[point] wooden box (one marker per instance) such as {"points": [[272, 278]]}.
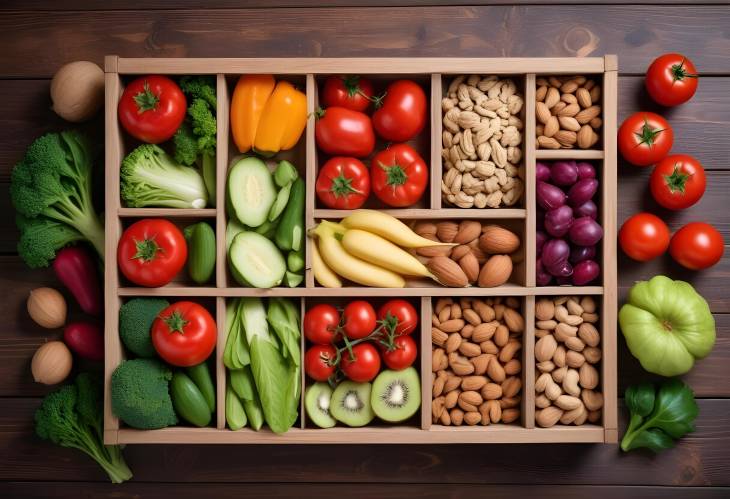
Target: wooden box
{"points": [[433, 73]]}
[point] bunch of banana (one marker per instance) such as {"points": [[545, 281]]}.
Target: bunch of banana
{"points": [[367, 248]]}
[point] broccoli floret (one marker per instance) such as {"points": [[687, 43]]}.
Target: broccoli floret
{"points": [[151, 177], [41, 238], [186, 144], [72, 417], [135, 322], [140, 395], [199, 87], [51, 189]]}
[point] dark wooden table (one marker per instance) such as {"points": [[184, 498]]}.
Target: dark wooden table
{"points": [[37, 36]]}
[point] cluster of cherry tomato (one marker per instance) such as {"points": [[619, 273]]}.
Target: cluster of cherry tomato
{"points": [[353, 341], [677, 181], [398, 175]]}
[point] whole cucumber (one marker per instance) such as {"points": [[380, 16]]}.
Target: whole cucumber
{"points": [[200, 375], [290, 232], [201, 251], [187, 400]]}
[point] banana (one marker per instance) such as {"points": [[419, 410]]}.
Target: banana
{"points": [[388, 227], [350, 267], [322, 273], [381, 252]]}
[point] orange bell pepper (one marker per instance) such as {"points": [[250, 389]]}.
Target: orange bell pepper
{"points": [[247, 105], [282, 121]]}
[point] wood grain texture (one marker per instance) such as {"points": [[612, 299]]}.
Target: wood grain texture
{"points": [[54, 490], [699, 459], [35, 45]]}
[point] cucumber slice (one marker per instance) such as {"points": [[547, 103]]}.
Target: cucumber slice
{"points": [[233, 228], [282, 197], [256, 261], [251, 191], [292, 279]]}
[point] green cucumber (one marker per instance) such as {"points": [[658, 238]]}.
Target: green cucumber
{"points": [[282, 197], [251, 191], [188, 401], [201, 251], [242, 383], [235, 413], [295, 260], [292, 279], [200, 375], [285, 173], [267, 229], [290, 232], [255, 261]]}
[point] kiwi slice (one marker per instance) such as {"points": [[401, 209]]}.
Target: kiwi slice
{"points": [[396, 395], [317, 403], [350, 403]]}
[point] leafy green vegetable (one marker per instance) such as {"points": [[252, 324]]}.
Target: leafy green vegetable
{"points": [[242, 383], [235, 413], [72, 416], [135, 323], [286, 330], [236, 353], [658, 419], [151, 177], [140, 394], [51, 192]]}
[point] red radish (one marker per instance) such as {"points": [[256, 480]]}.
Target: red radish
{"points": [[85, 340], [77, 271]]}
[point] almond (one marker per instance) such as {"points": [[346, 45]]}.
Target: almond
{"points": [[574, 359], [545, 348], [495, 411], [485, 311], [425, 229], [495, 272], [568, 402], [466, 331], [569, 99], [575, 344], [470, 349], [452, 325], [495, 371], [446, 231], [557, 108], [589, 334], [437, 359], [477, 251], [587, 114], [548, 417], [548, 142], [489, 347], [472, 418], [584, 97], [491, 391], [452, 383], [458, 252], [441, 303], [480, 363], [447, 272], [431, 251], [569, 87], [509, 350], [438, 337], [484, 331], [542, 111], [457, 416], [588, 376], [453, 343], [498, 240], [511, 386], [468, 231], [470, 266], [552, 97], [501, 335], [510, 415], [472, 318], [513, 320], [551, 127], [513, 367], [544, 309], [471, 397], [592, 354], [568, 123], [473, 382], [592, 400]]}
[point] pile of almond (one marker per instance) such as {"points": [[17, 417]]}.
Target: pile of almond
{"points": [[481, 140], [484, 255], [568, 112], [475, 363], [567, 350]]}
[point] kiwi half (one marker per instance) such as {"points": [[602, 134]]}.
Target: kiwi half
{"points": [[396, 395], [317, 404], [350, 403]]}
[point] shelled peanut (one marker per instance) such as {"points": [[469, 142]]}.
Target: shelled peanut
{"points": [[484, 256], [481, 139], [476, 365], [568, 112], [567, 350]]}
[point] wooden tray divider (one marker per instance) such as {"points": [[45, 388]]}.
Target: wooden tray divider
{"points": [[425, 351], [530, 181], [528, 364], [302, 374], [311, 177], [436, 127], [221, 167]]}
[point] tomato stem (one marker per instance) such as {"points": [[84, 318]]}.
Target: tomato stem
{"points": [[648, 135], [176, 322], [677, 181], [342, 186], [146, 250], [352, 85], [146, 100], [679, 72], [396, 174]]}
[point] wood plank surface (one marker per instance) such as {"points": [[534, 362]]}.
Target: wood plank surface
{"points": [[39, 43], [699, 459], [53, 490]]}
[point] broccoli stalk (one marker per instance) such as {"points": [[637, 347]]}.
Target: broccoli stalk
{"points": [[51, 190], [72, 417], [151, 177]]}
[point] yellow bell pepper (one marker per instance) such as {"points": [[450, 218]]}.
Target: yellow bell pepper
{"points": [[283, 120], [248, 102]]}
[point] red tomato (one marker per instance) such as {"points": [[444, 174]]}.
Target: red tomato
{"points": [[697, 246], [366, 363], [152, 108], [320, 324], [645, 138], [403, 113], [343, 132], [399, 175], [184, 334], [403, 355], [151, 252], [343, 183], [348, 91], [403, 312], [317, 362], [359, 319], [644, 237], [671, 79], [677, 182]]}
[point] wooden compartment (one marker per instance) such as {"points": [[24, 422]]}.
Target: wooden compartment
{"points": [[432, 73]]}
